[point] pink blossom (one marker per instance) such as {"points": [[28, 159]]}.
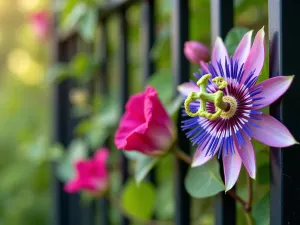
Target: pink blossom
{"points": [[196, 52], [226, 130], [41, 24], [145, 126], [91, 175]]}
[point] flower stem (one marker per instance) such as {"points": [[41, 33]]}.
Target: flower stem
{"points": [[234, 195], [183, 156], [248, 218], [250, 194]]}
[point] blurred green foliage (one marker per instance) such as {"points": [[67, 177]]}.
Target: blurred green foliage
{"points": [[24, 118], [25, 141]]}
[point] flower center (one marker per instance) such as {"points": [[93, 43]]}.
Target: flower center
{"points": [[204, 97], [232, 103]]}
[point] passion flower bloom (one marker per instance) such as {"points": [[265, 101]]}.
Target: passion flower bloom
{"points": [[196, 52], [145, 126], [223, 114], [41, 24], [91, 175]]}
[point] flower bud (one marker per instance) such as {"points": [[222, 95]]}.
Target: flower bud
{"points": [[195, 52], [146, 126]]}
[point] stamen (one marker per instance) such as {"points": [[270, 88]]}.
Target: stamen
{"points": [[231, 101], [204, 97]]}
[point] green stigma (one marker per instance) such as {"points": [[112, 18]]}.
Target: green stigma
{"points": [[203, 96]]}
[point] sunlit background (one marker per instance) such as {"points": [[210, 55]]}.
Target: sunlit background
{"points": [[24, 101]]}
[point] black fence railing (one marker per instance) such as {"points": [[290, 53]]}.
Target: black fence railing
{"points": [[284, 36], [285, 182]]}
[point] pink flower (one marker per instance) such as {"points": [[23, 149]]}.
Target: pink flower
{"points": [[196, 52], [146, 126], [41, 24], [229, 115], [91, 175]]}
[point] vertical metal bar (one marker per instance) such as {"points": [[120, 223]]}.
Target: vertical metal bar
{"points": [[61, 113], [221, 17], [67, 207], [148, 32], [221, 22], [88, 214], [74, 199], [148, 36], [124, 87], [104, 89], [285, 180], [181, 73], [88, 210]]}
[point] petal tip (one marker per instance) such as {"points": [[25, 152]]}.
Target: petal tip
{"points": [[227, 189], [293, 142], [249, 33], [262, 31], [229, 186], [291, 77], [195, 164]]}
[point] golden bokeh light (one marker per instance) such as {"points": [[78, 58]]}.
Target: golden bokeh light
{"points": [[28, 5], [18, 61], [26, 70], [3, 5], [34, 76]]}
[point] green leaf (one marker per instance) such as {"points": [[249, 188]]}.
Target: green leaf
{"points": [[57, 73], [261, 211], [162, 82], [99, 127], [144, 164], [138, 200], [233, 38], [131, 155], [263, 172], [161, 42], [174, 107], [71, 15], [164, 209], [205, 180], [56, 152], [76, 150], [88, 24], [82, 67]]}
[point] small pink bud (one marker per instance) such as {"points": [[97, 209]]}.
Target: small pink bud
{"points": [[41, 24], [195, 52]]}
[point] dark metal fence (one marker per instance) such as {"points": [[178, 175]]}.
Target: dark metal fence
{"points": [[284, 35]]}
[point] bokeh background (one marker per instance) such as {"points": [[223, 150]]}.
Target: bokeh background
{"points": [[24, 116], [26, 75]]}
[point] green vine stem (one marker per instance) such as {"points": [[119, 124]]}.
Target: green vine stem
{"points": [[248, 218]]}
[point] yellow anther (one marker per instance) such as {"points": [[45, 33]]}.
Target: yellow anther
{"points": [[220, 82], [205, 97]]}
